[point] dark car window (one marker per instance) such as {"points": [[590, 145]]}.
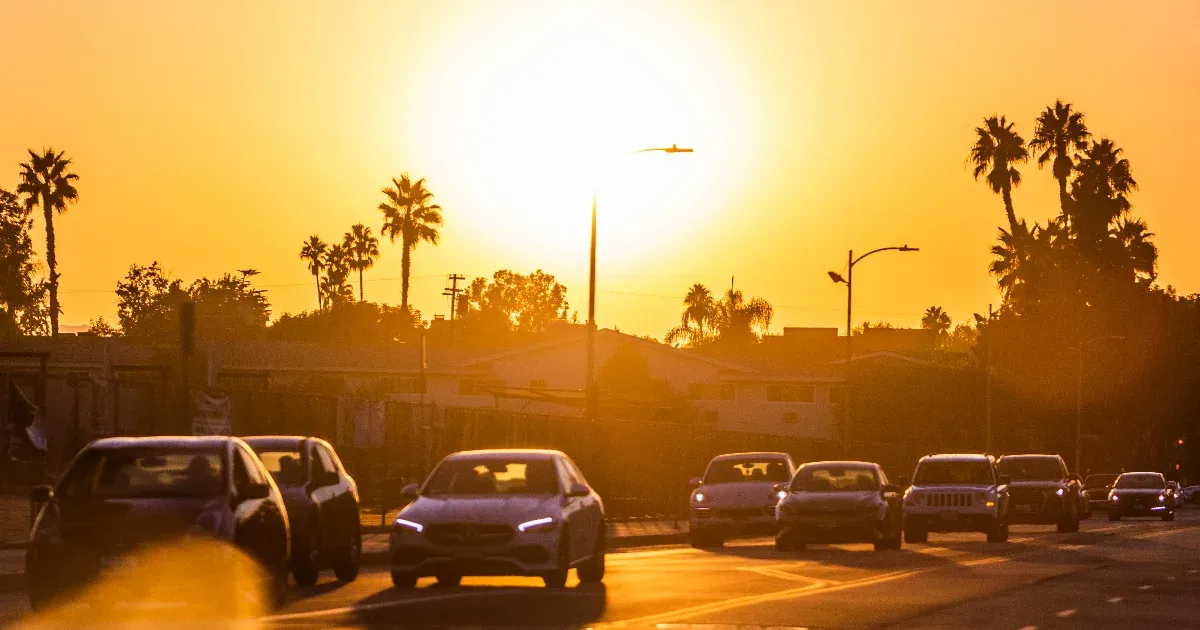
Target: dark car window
{"points": [[324, 459], [285, 466], [1097, 481], [1031, 468], [574, 470], [1140, 481], [496, 476], [834, 478], [749, 469], [949, 472], [253, 471], [146, 472]]}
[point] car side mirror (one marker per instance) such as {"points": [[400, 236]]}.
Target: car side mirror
{"points": [[41, 494], [578, 490], [410, 491], [248, 491], [1003, 480], [695, 482], [890, 487]]}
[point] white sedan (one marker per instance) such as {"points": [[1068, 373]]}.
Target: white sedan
{"points": [[500, 512], [737, 496]]}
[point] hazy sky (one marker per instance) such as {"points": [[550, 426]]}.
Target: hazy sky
{"points": [[212, 136]]}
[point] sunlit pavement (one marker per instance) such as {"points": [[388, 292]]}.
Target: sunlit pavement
{"points": [[1140, 572]]}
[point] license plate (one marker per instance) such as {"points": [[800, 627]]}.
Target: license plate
{"points": [[949, 516]]}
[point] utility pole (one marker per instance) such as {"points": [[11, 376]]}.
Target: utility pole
{"points": [[987, 378], [453, 292]]}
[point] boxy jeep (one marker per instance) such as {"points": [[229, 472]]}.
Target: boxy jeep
{"points": [[956, 493]]}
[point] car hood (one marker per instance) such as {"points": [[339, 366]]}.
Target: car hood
{"points": [[741, 494], [952, 488], [1036, 484], [121, 522], [1139, 492], [832, 501], [489, 509]]}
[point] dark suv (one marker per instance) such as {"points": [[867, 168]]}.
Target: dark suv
{"points": [[1041, 491], [322, 505]]}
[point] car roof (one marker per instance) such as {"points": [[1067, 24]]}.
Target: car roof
{"points": [[1029, 456], [164, 441], [1141, 472], [847, 463], [531, 453], [767, 454], [958, 457], [274, 441]]}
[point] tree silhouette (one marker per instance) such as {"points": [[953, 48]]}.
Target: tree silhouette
{"points": [[408, 213], [22, 295], [1102, 182], [364, 250], [738, 320], [45, 180], [699, 309], [998, 147], [314, 251], [936, 319], [335, 287], [1059, 134]]}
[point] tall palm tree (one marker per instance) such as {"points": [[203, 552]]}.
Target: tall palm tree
{"points": [[736, 318], [1010, 262], [409, 214], [334, 287], [998, 148], [1142, 255], [45, 180], [314, 251], [363, 248], [936, 319], [1059, 133], [700, 307], [1102, 182]]}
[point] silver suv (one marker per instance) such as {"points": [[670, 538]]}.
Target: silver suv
{"points": [[956, 493]]}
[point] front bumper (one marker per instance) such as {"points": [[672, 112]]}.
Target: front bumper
{"points": [[1049, 512], [734, 521], [830, 528], [526, 553], [1139, 508], [960, 520]]}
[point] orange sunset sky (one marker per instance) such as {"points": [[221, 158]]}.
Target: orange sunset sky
{"points": [[212, 136]]}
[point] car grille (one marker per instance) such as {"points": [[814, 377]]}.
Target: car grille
{"points": [[1035, 499], [468, 533], [950, 499]]}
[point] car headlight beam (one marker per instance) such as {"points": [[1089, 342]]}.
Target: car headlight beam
{"points": [[416, 527], [543, 524]]}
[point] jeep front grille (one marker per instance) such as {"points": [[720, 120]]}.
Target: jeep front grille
{"points": [[950, 499]]}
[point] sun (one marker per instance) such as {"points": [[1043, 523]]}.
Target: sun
{"points": [[530, 114]]}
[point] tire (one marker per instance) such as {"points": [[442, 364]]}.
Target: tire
{"points": [[998, 533], [305, 557], [558, 577], [915, 534], [592, 571], [1169, 516], [1113, 515], [449, 580], [706, 540], [348, 559], [404, 580]]}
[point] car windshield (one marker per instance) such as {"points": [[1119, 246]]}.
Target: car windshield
{"points": [[833, 478], [1140, 481], [502, 476], [285, 466], [748, 469], [1098, 481], [951, 472], [145, 472], [1031, 468]]}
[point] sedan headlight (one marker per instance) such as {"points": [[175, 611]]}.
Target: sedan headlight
{"points": [[1060, 492], [406, 524], [1162, 498], [698, 497], [1114, 498], [537, 525], [782, 494]]}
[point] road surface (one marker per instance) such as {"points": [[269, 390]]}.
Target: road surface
{"points": [[1131, 573]]}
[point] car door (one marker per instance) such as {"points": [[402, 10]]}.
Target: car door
{"points": [[591, 512], [323, 496], [250, 515], [893, 500], [574, 513]]}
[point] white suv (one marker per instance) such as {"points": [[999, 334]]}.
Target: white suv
{"points": [[956, 493], [737, 495]]}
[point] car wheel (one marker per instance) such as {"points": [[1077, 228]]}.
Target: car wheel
{"points": [[449, 579], [404, 580], [347, 560], [1169, 516], [998, 533], [305, 558], [558, 577], [1114, 515], [592, 571], [915, 534]]}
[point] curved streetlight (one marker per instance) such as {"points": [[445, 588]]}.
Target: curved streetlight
{"points": [[590, 392], [848, 280], [1080, 350]]}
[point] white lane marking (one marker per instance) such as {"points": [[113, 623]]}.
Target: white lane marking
{"points": [[1071, 547], [1115, 600], [1193, 571], [1170, 578], [776, 571], [1145, 587], [982, 561], [1028, 628], [398, 603], [1063, 614]]}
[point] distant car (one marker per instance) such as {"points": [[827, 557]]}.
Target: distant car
{"points": [[1141, 494], [737, 495], [839, 502], [322, 505], [500, 512], [1096, 487], [956, 493], [1041, 491], [120, 494]]}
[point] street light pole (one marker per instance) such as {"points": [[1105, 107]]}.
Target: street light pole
{"points": [[849, 282], [1079, 399], [590, 386]]}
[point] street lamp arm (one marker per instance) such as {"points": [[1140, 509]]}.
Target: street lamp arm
{"points": [[902, 248]]}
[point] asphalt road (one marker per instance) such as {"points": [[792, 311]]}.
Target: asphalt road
{"points": [[1136, 572]]}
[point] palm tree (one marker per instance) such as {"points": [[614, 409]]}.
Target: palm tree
{"points": [[363, 248], [408, 213], [936, 319], [45, 180], [314, 251], [1142, 255], [998, 147], [1010, 261], [1059, 133], [700, 308], [1102, 181], [334, 286], [735, 319]]}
